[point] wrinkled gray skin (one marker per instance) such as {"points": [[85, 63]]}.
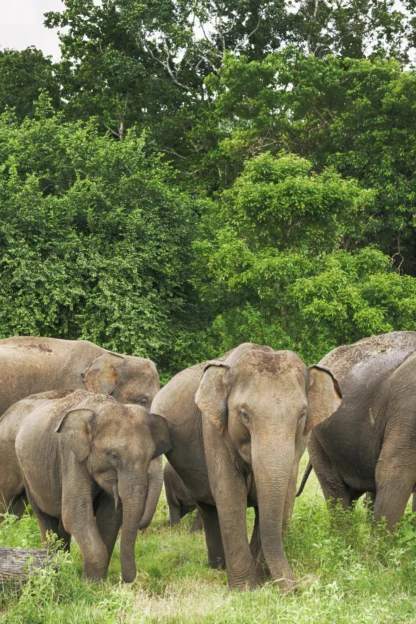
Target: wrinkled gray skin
{"points": [[369, 444], [180, 502], [238, 428], [29, 365], [84, 458]]}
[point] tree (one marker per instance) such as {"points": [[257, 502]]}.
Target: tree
{"points": [[95, 239], [23, 75], [278, 269]]}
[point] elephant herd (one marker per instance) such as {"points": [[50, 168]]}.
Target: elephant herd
{"points": [[83, 431]]}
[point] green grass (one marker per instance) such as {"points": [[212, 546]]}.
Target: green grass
{"points": [[347, 573]]}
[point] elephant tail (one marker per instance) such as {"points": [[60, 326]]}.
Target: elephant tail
{"points": [[304, 478]]}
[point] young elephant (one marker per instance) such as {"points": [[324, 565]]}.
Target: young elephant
{"points": [[12, 489], [81, 455], [180, 502], [238, 428], [369, 443], [31, 365]]}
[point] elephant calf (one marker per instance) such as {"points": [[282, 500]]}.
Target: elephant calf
{"points": [[180, 502], [80, 456]]}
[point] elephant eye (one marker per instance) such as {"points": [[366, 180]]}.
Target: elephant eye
{"points": [[142, 401], [113, 457], [244, 416], [303, 413]]}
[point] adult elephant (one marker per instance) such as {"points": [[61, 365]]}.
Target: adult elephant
{"points": [[238, 428], [30, 365], [369, 444], [80, 455]]}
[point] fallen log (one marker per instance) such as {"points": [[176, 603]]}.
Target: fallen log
{"points": [[16, 563]]}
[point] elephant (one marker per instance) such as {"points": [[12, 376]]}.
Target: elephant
{"points": [[368, 445], [180, 502], [31, 365], [238, 428], [80, 456]]}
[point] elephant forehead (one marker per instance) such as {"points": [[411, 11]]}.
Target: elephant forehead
{"points": [[275, 364]]}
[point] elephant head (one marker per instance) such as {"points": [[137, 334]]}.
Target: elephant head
{"points": [[127, 378], [116, 443], [264, 403]]}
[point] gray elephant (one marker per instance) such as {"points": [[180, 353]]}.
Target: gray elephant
{"points": [[180, 502], [238, 427], [84, 458], [30, 365], [369, 444]]}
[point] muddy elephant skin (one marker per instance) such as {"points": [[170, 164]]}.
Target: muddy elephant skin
{"points": [[238, 427], [84, 458]]}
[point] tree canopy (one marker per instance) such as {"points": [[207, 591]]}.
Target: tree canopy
{"points": [[191, 175]]}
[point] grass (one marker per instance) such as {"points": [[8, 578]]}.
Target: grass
{"points": [[347, 573]]}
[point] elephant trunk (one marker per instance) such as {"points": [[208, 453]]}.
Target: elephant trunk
{"points": [[155, 480], [133, 494], [272, 467]]}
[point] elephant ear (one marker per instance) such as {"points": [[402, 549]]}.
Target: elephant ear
{"points": [[324, 396], [212, 394], [160, 434], [101, 376], [77, 427]]}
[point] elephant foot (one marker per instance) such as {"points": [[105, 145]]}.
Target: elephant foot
{"points": [[217, 564], [93, 577], [288, 586], [285, 578], [244, 586]]}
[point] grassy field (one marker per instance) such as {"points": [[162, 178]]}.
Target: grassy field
{"points": [[347, 573]]}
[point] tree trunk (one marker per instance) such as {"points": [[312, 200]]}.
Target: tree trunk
{"points": [[15, 563]]}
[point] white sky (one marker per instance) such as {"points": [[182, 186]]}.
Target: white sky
{"points": [[21, 25]]}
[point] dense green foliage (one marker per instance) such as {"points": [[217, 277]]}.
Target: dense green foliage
{"points": [[191, 175], [95, 240], [347, 573]]}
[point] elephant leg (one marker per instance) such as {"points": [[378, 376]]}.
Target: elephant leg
{"points": [[216, 555], [395, 481], [174, 514], [370, 499], [256, 550], [12, 493], [229, 490], [414, 502], [241, 567], [79, 521], [108, 521], [64, 536], [333, 487], [46, 522], [18, 504], [197, 524]]}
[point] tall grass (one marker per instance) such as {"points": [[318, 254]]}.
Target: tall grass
{"points": [[347, 572]]}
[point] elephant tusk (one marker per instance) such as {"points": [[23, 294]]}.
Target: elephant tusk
{"points": [[116, 496]]}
